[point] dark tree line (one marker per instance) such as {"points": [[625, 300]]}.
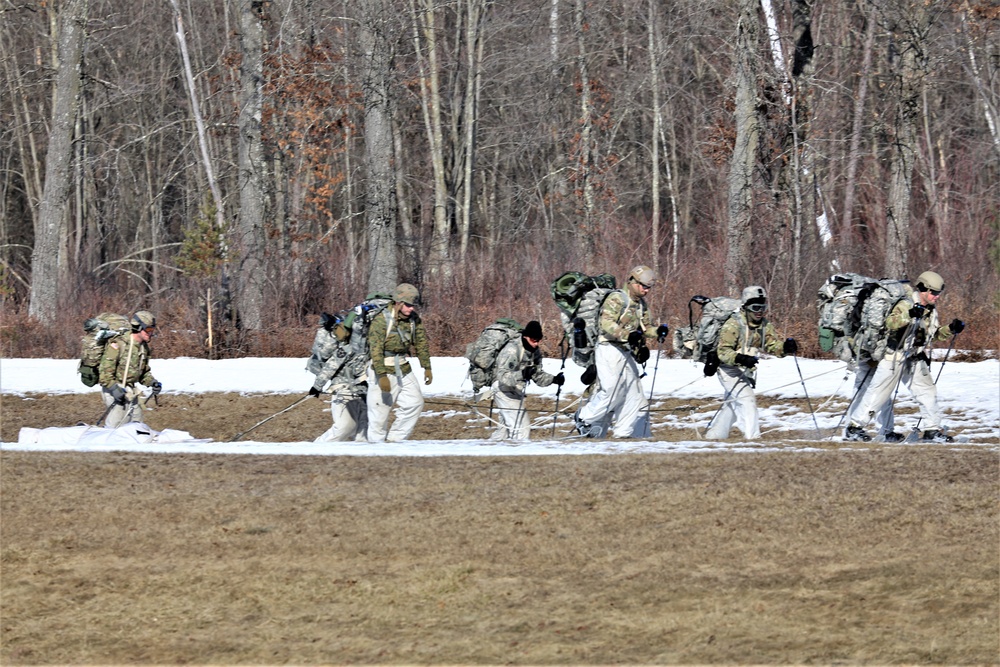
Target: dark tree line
{"points": [[254, 162]]}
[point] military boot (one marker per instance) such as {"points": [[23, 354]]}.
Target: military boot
{"points": [[856, 434]]}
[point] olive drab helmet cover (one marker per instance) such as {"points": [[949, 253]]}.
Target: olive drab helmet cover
{"points": [[643, 274], [929, 280], [406, 293], [142, 320]]}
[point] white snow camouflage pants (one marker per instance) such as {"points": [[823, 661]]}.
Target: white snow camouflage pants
{"points": [[739, 406], [350, 418], [619, 403], [131, 411], [409, 401], [915, 373], [512, 418]]}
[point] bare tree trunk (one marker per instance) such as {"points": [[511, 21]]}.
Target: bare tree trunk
{"points": [[987, 95], [426, 48], [854, 153], [654, 85], [912, 29], [206, 156], [380, 191], [744, 159], [49, 230], [585, 158], [252, 168], [470, 111]]}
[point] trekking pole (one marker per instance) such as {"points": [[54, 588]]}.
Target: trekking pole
{"points": [[107, 411], [951, 346], [564, 347], [947, 354], [725, 399], [652, 386], [857, 393], [267, 419], [808, 402]]}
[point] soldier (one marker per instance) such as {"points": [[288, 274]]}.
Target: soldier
{"points": [[519, 362], [392, 334], [624, 325], [741, 340], [124, 363], [346, 372], [912, 328]]}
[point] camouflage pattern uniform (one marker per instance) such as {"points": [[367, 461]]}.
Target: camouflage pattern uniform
{"points": [[510, 386], [906, 360], [347, 374], [740, 335], [619, 396], [390, 338], [125, 362]]}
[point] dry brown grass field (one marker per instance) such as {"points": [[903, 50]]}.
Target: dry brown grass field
{"points": [[843, 555]]}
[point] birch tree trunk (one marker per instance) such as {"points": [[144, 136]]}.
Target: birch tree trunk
{"points": [[252, 168], [380, 186], [206, 155], [744, 159], [48, 251]]}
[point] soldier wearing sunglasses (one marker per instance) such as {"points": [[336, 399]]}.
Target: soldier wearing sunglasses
{"points": [[743, 337], [911, 329]]}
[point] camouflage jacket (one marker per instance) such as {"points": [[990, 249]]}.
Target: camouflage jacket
{"points": [[390, 337], [512, 360], [123, 354], [739, 336], [927, 330], [621, 315]]}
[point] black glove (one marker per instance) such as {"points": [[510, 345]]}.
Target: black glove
{"points": [[790, 346], [636, 339], [313, 391], [661, 333], [559, 379], [579, 333], [640, 354], [746, 360], [711, 363], [589, 375], [527, 372], [157, 387], [118, 393], [917, 311], [956, 326]]}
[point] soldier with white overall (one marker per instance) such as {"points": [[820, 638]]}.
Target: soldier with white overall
{"points": [[519, 362], [391, 380], [741, 340], [912, 327], [625, 326], [346, 372], [124, 363]]}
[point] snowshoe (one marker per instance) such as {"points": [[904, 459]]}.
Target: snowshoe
{"points": [[856, 434], [935, 435]]}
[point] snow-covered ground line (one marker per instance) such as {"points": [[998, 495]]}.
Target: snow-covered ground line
{"points": [[969, 394]]}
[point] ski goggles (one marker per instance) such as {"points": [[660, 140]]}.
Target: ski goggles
{"points": [[935, 292], [757, 307]]}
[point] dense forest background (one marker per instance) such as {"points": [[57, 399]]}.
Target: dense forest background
{"points": [[240, 166]]}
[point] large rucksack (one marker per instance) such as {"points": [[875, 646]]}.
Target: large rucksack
{"points": [[852, 312], [482, 353], [699, 341], [97, 332], [355, 322], [580, 298]]}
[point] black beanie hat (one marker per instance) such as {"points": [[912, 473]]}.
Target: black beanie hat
{"points": [[532, 330]]}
